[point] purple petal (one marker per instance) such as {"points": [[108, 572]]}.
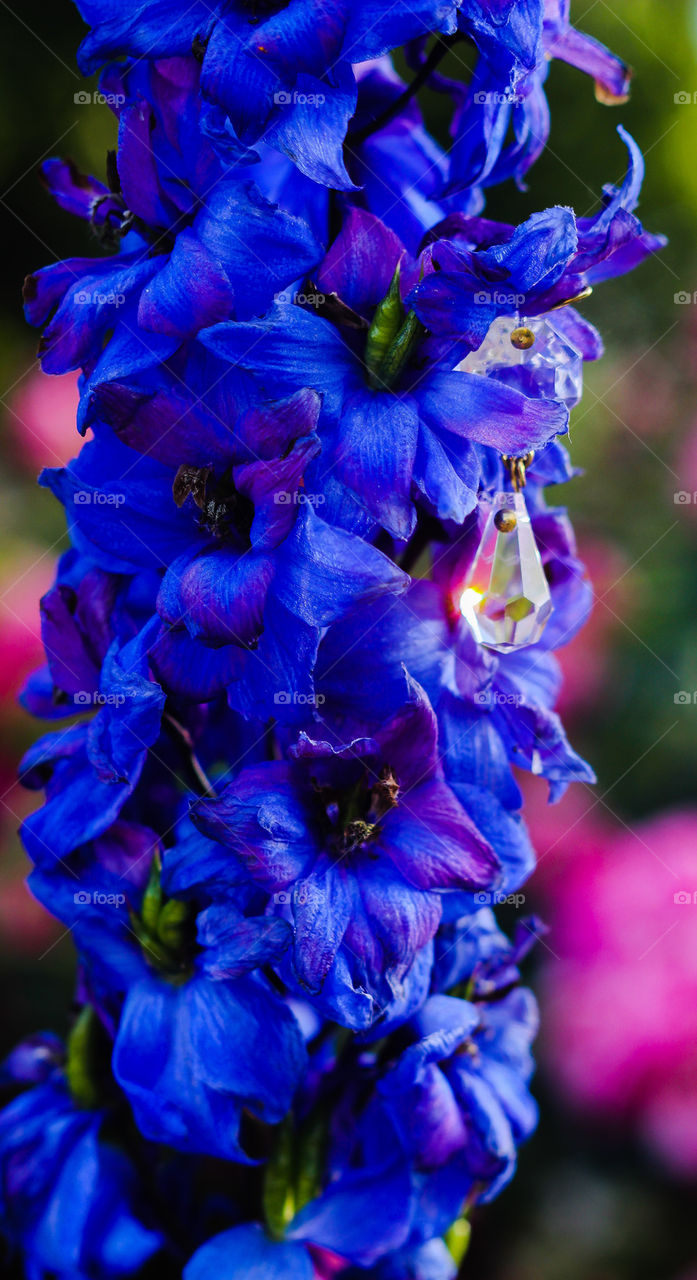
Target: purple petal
{"points": [[219, 596], [360, 264], [433, 842], [486, 411]]}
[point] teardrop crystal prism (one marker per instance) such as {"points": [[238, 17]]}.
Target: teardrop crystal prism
{"points": [[549, 367], [506, 599]]}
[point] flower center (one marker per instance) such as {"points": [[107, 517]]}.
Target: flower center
{"points": [[354, 815], [225, 513]]}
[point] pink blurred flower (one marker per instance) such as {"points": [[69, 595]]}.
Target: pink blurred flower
{"points": [[585, 661], [41, 420], [641, 395], [21, 586], [686, 483], [620, 998], [25, 927], [560, 832]]}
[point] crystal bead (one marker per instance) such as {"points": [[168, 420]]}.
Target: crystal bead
{"points": [[550, 368], [506, 598]]}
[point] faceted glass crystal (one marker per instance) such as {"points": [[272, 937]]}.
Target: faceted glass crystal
{"points": [[506, 599], [551, 368]]}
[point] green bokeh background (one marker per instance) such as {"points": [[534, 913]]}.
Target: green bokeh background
{"points": [[583, 1207]]}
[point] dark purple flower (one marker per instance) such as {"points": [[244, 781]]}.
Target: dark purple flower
{"points": [[362, 838]]}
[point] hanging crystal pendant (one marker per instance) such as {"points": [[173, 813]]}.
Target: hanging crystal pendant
{"points": [[506, 599], [532, 356]]}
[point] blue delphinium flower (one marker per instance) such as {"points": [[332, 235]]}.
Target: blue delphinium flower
{"points": [[194, 239], [280, 789], [426, 1121], [250, 574], [363, 836], [386, 431], [281, 72], [71, 1200], [484, 269], [183, 975], [517, 40], [494, 710]]}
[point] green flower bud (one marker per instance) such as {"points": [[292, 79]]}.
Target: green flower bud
{"points": [[152, 898], [457, 1239], [172, 923], [400, 349], [82, 1059], [278, 1198], [387, 321]]}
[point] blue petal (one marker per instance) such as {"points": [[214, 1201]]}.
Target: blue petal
{"points": [[130, 720], [322, 572], [361, 1217], [261, 248], [311, 129], [120, 507], [78, 806], [374, 29], [429, 1261], [486, 411], [289, 350], [156, 29], [269, 1058], [190, 292], [155, 1064], [360, 263], [247, 1253], [375, 456], [218, 596]]}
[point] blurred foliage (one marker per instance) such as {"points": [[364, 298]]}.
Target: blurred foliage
{"points": [[584, 1206]]}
